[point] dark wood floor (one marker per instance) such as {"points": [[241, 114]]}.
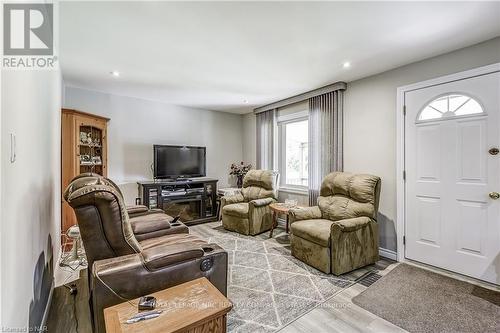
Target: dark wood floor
{"points": [[70, 313]]}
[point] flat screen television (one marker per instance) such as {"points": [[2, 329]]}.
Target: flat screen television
{"points": [[171, 162]]}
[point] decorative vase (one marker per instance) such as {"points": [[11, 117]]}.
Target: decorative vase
{"points": [[239, 181]]}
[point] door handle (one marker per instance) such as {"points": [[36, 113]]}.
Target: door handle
{"points": [[494, 195]]}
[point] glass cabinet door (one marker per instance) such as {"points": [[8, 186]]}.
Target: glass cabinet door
{"points": [[90, 148]]}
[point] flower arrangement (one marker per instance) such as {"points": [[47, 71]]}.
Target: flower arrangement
{"points": [[239, 170]]}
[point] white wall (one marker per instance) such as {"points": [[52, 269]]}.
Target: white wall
{"points": [[30, 193], [370, 120], [137, 124]]}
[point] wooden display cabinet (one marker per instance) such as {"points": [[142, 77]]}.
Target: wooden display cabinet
{"points": [[83, 149]]}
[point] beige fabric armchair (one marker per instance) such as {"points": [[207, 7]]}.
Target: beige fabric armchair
{"points": [[248, 212], [341, 233]]}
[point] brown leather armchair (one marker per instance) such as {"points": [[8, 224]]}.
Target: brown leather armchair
{"points": [[132, 210], [124, 267], [146, 223]]}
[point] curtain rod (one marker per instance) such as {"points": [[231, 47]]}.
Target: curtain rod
{"points": [[301, 97]]}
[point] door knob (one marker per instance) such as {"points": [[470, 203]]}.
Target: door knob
{"points": [[493, 151], [494, 195]]}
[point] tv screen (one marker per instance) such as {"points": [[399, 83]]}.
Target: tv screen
{"points": [[179, 161]]}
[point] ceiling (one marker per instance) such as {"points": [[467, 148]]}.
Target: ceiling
{"points": [[218, 55]]}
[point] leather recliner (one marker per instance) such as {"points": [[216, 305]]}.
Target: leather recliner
{"points": [[146, 223], [341, 233], [248, 212], [125, 268]]}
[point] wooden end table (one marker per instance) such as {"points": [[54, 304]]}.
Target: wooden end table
{"points": [[194, 306], [279, 208]]}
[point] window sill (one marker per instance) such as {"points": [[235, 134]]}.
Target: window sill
{"points": [[293, 190]]}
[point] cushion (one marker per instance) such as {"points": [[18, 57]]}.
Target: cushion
{"points": [[170, 239], [359, 187], [237, 209], [150, 223], [316, 231], [254, 192], [340, 208], [259, 178]]}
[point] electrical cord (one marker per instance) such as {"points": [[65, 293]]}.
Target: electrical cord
{"points": [[129, 301]]}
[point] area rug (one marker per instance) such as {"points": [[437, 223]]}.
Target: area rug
{"points": [[422, 301], [267, 286]]}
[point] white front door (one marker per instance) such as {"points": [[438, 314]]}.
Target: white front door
{"points": [[452, 131]]}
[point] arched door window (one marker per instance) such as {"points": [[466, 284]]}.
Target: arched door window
{"points": [[452, 105]]}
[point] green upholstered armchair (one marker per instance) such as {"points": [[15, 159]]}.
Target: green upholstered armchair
{"points": [[341, 233], [248, 212]]}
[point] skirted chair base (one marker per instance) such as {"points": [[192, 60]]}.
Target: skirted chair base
{"points": [[259, 222]]}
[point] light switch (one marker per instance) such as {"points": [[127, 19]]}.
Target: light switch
{"points": [[12, 148]]}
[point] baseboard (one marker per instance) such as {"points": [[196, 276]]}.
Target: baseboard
{"points": [[389, 254], [47, 307]]}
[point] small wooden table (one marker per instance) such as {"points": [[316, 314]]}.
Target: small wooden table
{"points": [[279, 208], [194, 306]]}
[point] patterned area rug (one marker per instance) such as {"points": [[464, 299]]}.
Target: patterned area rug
{"points": [[267, 286]]}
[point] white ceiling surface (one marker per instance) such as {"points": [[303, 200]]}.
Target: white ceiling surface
{"points": [[216, 55]]}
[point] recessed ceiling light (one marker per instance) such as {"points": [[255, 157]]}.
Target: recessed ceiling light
{"points": [[115, 73], [346, 64]]}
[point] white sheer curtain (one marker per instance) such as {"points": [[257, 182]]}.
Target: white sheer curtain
{"points": [[265, 143], [325, 139]]}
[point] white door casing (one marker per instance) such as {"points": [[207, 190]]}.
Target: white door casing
{"points": [[450, 220]]}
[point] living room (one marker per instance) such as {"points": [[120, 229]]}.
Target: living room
{"points": [[301, 166]]}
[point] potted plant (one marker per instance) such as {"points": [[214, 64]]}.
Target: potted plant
{"points": [[239, 170]]}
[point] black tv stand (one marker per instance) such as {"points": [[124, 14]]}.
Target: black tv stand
{"points": [[194, 199]]}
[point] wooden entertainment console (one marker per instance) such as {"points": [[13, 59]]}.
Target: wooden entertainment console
{"points": [[193, 199]]}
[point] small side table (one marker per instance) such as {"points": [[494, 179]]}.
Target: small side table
{"points": [[194, 306], [279, 208]]}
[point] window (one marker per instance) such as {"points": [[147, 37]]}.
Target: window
{"points": [[294, 152], [452, 105]]}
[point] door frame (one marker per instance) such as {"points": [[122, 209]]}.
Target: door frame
{"points": [[400, 143]]}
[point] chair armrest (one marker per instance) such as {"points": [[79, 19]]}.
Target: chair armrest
{"points": [[117, 278], [304, 213], [137, 209], [161, 256], [262, 202], [353, 224]]}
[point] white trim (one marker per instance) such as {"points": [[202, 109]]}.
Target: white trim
{"points": [[293, 117], [400, 137], [280, 143], [453, 275], [292, 190], [387, 253]]}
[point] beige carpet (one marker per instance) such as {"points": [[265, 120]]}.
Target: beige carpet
{"points": [[422, 301]]}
